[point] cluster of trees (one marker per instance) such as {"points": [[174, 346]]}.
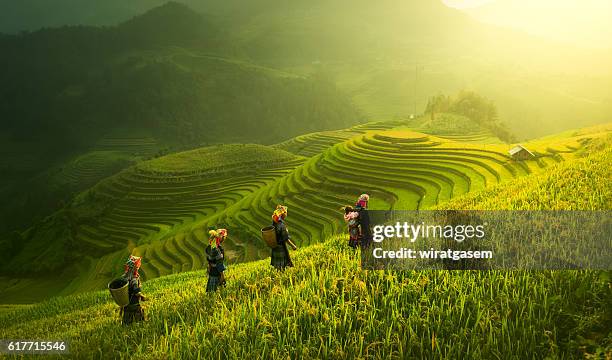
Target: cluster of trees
{"points": [[473, 106]]}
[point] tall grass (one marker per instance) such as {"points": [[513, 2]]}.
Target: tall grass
{"points": [[327, 307]]}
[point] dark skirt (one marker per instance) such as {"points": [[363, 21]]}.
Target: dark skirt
{"points": [[280, 257], [353, 242], [365, 241], [133, 313], [214, 282]]}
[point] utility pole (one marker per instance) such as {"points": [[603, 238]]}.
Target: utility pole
{"points": [[416, 74]]}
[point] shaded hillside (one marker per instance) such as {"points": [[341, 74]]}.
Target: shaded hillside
{"points": [[68, 89], [99, 78], [144, 202], [392, 55]]}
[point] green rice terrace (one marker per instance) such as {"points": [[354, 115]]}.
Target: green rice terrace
{"points": [[161, 208], [328, 307]]}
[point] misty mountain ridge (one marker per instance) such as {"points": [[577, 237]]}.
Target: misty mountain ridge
{"points": [[153, 78]]}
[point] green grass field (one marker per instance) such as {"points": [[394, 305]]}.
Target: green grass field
{"points": [[327, 307], [161, 208]]}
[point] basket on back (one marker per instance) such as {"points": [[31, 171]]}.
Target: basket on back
{"points": [[119, 291], [269, 236]]}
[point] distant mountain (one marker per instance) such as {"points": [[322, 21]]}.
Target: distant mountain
{"points": [[392, 55], [29, 15], [140, 74], [155, 76], [266, 70]]}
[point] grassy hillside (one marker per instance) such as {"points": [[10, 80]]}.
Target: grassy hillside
{"points": [[149, 84], [579, 185], [150, 198], [328, 307], [402, 169], [159, 71], [161, 208]]}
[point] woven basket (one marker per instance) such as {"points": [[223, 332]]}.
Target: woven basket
{"points": [[268, 234], [119, 291]]}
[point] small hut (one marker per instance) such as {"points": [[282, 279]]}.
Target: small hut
{"points": [[519, 152]]}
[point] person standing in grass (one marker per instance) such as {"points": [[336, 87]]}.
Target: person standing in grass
{"points": [[133, 312], [361, 206], [352, 220], [215, 255], [280, 258]]}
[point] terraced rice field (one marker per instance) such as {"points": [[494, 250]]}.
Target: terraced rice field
{"points": [[93, 166], [315, 143], [148, 204], [165, 215], [400, 169], [132, 145], [479, 137], [153, 200]]}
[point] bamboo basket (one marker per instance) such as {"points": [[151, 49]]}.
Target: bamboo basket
{"points": [[268, 234], [119, 291]]}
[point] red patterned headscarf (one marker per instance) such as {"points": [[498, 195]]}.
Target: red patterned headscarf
{"points": [[280, 213], [132, 266], [216, 237]]}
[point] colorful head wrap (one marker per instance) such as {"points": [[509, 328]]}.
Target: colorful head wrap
{"points": [[363, 201], [131, 267], [351, 215], [280, 213], [218, 236]]}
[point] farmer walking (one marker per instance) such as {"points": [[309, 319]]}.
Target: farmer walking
{"points": [[361, 206], [215, 255], [351, 217], [133, 312], [280, 254]]}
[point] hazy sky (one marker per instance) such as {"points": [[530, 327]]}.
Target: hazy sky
{"points": [[463, 4], [579, 22]]}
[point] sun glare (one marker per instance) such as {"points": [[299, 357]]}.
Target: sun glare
{"points": [[466, 4]]}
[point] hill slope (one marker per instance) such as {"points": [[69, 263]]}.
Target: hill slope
{"points": [[392, 55], [149, 199], [583, 185], [161, 208], [151, 79], [328, 307]]}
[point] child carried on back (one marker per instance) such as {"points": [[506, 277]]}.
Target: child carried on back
{"points": [[352, 220]]}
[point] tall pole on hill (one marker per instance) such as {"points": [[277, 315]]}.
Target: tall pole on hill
{"points": [[416, 74]]}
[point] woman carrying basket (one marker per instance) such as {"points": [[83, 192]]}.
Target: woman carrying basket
{"points": [[280, 254], [215, 256], [133, 312]]}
